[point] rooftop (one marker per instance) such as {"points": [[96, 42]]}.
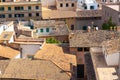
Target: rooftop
{"points": [[115, 7], [48, 13], [88, 39], [34, 69], [58, 54], [60, 28], [3, 66], [102, 71], [49, 23], [8, 52], [112, 46]]}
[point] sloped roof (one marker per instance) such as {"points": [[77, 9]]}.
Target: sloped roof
{"points": [[34, 69], [55, 14], [59, 55], [89, 39], [3, 66], [8, 52], [112, 46]]}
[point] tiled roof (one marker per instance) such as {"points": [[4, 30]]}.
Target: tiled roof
{"points": [[34, 69], [50, 23], [89, 39], [6, 35], [112, 46], [60, 28], [3, 66], [8, 52], [70, 14], [59, 55], [89, 13], [57, 14]]}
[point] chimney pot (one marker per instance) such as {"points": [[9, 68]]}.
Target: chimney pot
{"points": [[89, 29]]}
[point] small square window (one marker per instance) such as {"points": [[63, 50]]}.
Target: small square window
{"points": [[91, 7], [41, 30], [9, 8], [9, 15], [37, 14], [79, 49], [61, 5], [67, 4], [30, 14], [37, 7], [85, 7], [29, 7], [47, 29], [72, 5]]}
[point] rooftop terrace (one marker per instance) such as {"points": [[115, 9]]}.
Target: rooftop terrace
{"points": [[102, 71]]}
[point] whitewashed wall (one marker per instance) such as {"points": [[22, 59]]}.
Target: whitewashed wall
{"points": [[44, 31], [2, 27], [11, 39], [29, 49], [112, 59]]}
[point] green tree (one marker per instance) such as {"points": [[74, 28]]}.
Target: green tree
{"points": [[108, 24], [52, 40]]}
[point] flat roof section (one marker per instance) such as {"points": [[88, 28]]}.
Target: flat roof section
{"points": [[102, 71]]}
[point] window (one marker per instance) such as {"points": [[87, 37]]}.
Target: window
{"points": [[61, 5], [29, 7], [9, 15], [67, 5], [80, 71], [19, 15], [37, 7], [1, 8], [47, 29], [19, 8], [41, 30], [79, 49], [22, 8], [9, 8], [72, 5], [85, 7], [37, 14], [72, 27], [2, 15], [86, 49], [30, 14], [91, 7]]}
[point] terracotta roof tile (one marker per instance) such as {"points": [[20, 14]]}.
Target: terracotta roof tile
{"points": [[59, 55], [8, 52], [34, 69]]}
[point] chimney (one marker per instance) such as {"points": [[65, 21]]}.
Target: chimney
{"points": [[111, 28], [71, 35], [89, 29]]}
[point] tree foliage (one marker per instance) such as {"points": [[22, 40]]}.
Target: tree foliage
{"points": [[52, 40], [108, 24]]}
